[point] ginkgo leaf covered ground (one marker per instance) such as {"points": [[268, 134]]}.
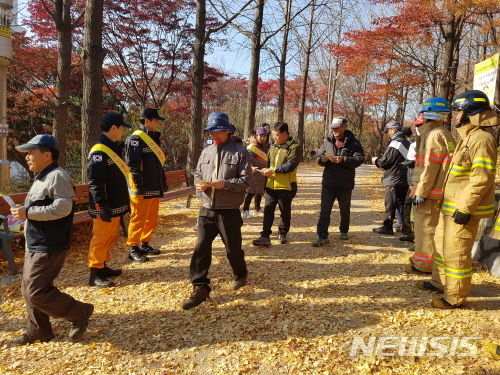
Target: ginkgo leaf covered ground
{"points": [[299, 314]]}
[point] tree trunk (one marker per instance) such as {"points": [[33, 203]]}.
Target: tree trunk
{"points": [[62, 19], [450, 61], [195, 146], [284, 50], [253, 80], [305, 78], [92, 59]]}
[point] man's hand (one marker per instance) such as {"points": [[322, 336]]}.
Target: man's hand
{"points": [[19, 212], [201, 188], [254, 169], [461, 217], [374, 159], [105, 214], [219, 184], [267, 171], [336, 159]]}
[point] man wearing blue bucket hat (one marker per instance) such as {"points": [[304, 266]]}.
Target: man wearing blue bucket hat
{"points": [[221, 178]]}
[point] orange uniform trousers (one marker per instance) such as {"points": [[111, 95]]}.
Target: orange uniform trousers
{"points": [[103, 240], [143, 219]]}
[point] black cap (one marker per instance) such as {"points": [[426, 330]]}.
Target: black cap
{"points": [[111, 119], [151, 113], [45, 140], [406, 130]]}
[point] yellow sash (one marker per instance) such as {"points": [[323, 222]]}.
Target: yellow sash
{"points": [[260, 153], [120, 163], [152, 145]]}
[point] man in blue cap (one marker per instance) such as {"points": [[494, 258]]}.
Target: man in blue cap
{"points": [[222, 176], [48, 214]]}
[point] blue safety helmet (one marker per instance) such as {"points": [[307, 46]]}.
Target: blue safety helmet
{"points": [[471, 102], [436, 104]]}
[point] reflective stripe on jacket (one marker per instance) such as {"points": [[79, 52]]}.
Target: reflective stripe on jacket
{"points": [[434, 149]]}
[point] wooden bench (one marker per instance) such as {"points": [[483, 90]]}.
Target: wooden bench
{"points": [[175, 179], [183, 186]]}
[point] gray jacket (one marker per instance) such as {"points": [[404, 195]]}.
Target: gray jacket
{"points": [[50, 211], [234, 168]]}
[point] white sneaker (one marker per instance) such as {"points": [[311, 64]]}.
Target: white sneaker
{"points": [[246, 214]]}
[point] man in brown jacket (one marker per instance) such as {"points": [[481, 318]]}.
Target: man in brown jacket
{"points": [[222, 176]]}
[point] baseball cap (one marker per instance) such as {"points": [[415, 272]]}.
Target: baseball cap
{"points": [[337, 122], [261, 131], [111, 119], [392, 125], [151, 113], [45, 140]]}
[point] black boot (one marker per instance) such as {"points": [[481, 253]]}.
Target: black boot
{"points": [[137, 255], [199, 295], [109, 272], [148, 249], [386, 228], [98, 279]]}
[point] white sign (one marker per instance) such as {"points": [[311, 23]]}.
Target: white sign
{"points": [[485, 76], [4, 129]]}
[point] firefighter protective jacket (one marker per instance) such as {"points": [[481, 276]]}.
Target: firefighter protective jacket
{"points": [[434, 149], [470, 182]]}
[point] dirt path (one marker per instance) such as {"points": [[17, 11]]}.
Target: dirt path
{"points": [[300, 314]]}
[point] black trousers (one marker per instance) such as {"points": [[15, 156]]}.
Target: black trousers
{"points": [[43, 299], [248, 200], [228, 224], [394, 198], [282, 198], [328, 196]]}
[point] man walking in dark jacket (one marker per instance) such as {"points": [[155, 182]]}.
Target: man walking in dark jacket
{"points": [[48, 214], [395, 174], [222, 177], [340, 154]]}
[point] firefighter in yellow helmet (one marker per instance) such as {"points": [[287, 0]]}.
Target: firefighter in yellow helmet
{"points": [[469, 196]]}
